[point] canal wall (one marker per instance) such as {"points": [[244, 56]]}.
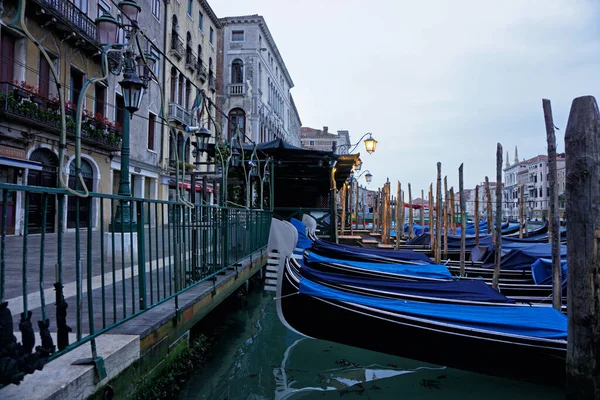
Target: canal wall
{"points": [[139, 349]]}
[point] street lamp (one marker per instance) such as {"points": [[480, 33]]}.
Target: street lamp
{"points": [[107, 29], [370, 145], [131, 9], [367, 174]]}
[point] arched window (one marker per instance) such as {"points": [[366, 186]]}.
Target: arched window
{"points": [[188, 48], [199, 56], [237, 117], [237, 71], [175, 26], [173, 85], [187, 151]]}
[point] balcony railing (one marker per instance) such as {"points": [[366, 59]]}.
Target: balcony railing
{"points": [[191, 60], [177, 48], [179, 114], [236, 89], [202, 71], [67, 13], [212, 81], [29, 108]]}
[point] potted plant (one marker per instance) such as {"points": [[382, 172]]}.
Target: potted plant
{"points": [[53, 103]]}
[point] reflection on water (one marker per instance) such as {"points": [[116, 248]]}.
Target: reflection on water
{"points": [[256, 357]]}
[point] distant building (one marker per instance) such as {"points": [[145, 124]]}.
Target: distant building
{"points": [[255, 93], [323, 140]]}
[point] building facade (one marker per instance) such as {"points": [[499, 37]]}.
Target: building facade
{"points": [[30, 127], [255, 96], [190, 69], [322, 139]]}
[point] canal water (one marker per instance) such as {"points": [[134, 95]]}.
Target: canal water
{"points": [[254, 356]]}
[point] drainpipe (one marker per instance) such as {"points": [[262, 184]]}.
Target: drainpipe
{"points": [[164, 77]]}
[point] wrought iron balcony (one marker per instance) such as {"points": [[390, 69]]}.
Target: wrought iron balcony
{"points": [[179, 114], [236, 89], [177, 47], [65, 16], [26, 107]]}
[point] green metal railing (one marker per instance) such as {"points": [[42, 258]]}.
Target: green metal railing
{"points": [[171, 249]]}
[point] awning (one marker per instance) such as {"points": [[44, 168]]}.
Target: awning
{"points": [[188, 186], [25, 164]]}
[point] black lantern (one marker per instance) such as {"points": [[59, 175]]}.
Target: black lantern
{"points": [[107, 29], [131, 9], [202, 136], [133, 89], [368, 177], [235, 157]]}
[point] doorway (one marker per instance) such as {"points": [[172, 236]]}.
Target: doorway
{"points": [[47, 177]]}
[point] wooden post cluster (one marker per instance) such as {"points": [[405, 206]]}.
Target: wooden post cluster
{"points": [[438, 206], [553, 232], [582, 146], [498, 234]]}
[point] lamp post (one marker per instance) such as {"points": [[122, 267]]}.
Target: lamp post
{"points": [[367, 174], [370, 145], [132, 87]]}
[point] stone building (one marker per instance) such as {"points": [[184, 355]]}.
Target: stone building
{"points": [[189, 70], [255, 95], [316, 139], [30, 127]]}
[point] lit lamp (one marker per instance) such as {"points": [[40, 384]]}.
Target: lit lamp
{"points": [[235, 157], [358, 165], [202, 136], [131, 9], [107, 29], [370, 144], [368, 177]]}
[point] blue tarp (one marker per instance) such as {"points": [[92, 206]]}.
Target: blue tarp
{"points": [[459, 290], [342, 250], [303, 241], [436, 271], [540, 322], [523, 258], [541, 270]]}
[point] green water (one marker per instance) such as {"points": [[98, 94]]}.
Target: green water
{"points": [[255, 357]]}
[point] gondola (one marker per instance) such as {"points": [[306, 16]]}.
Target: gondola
{"points": [[524, 343]]}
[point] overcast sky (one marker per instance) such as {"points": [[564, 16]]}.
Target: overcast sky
{"points": [[435, 80]]}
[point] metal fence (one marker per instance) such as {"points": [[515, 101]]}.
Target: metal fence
{"points": [[108, 277]]}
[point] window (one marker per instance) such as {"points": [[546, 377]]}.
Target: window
{"points": [[237, 71], [154, 51], [200, 21], [156, 8], [237, 36], [44, 77], [311, 142], [151, 127], [75, 84], [190, 6], [119, 109], [211, 38], [103, 8], [100, 99], [237, 118]]}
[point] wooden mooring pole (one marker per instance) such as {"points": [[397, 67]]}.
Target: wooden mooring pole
{"points": [[553, 209], [452, 211], [498, 234], [350, 205], [402, 212], [398, 205], [411, 231], [521, 207], [445, 217], [488, 195], [356, 204], [422, 212], [463, 220], [438, 206], [343, 201], [476, 215], [431, 236], [582, 146]]}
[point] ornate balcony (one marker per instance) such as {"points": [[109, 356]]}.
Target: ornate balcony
{"points": [[63, 15], [191, 60], [236, 89], [179, 114], [202, 71], [212, 82], [177, 48], [23, 105]]}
